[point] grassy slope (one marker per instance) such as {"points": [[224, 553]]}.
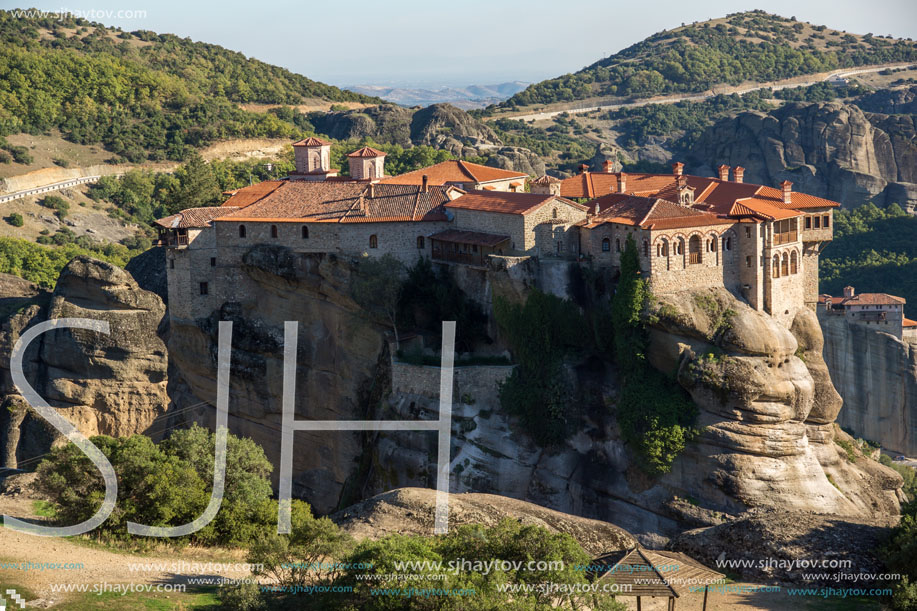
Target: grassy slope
{"points": [[753, 46]]}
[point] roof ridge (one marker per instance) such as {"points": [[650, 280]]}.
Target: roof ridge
{"points": [[655, 570]]}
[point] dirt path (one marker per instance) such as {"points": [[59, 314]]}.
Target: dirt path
{"points": [[92, 565]]}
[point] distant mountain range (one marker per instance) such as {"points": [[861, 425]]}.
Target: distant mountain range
{"points": [[472, 96]]}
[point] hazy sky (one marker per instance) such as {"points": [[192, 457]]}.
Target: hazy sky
{"points": [[462, 42]]}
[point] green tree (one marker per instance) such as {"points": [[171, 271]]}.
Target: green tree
{"points": [[15, 219], [377, 287]]}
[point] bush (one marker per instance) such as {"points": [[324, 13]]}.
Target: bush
{"points": [[21, 155], [15, 219], [165, 484], [899, 554], [57, 203]]}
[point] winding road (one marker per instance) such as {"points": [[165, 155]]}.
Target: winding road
{"points": [[775, 85]]}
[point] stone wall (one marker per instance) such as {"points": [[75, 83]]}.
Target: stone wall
{"points": [[468, 382]]}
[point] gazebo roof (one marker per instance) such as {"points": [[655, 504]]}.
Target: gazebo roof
{"points": [[655, 572]]}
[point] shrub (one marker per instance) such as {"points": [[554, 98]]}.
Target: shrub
{"points": [[57, 203], [15, 219], [21, 155]]}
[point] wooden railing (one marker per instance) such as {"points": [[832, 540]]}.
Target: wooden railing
{"points": [[785, 238], [693, 258]]}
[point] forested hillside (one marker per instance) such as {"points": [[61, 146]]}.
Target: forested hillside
{"points": [[875, 251], [142, 95], [751, 46]]}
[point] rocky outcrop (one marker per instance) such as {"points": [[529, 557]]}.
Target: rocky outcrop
{"points": [[441, 126], [876, 374], [111, 384], [827, 149], [890, 101], [410, 511]]}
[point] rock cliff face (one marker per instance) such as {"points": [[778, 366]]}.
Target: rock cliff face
{"points": [[876, 374], [831, 150], [105, 384]]}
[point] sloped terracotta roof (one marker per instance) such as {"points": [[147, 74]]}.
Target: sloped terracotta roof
{"points": [[367, 151], [909, 323], [453, 171], [506, 202], [245, 196], [864, 299], [470, 237], [346, 202], [719, 195], [649, 213], [194, 217], [312, 141]]}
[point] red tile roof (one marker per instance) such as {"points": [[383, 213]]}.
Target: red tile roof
{"points": [[864, 299], [544, 179], [505, 202], [719, 196], [194, 217], [909, 323], [367, 151], [454, 171], [312, 141], [649, 213], [345, 202], [240, 198]]}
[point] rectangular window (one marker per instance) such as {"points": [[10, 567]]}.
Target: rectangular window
{"points": [[748, 232], [213, 261], [817, 222], [171, 263], [204, 288], [748, 261], [808, 222], [826, 221]]}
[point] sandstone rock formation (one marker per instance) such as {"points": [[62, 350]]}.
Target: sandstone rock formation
{"points": [[410, 511], [827, 149], [105, 384], [876, 373]]}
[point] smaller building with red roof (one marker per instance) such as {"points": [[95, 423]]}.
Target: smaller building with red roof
{"points": [[880, 311]]}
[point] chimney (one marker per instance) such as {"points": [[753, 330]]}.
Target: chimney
{"points": [[372, 190], [622, 182], [849, 291], [787, 191], [606, 166], [583, 168], [678, 168], [738, 172], [724, 172], [425, 184]]}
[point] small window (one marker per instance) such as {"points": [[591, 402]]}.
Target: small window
{"points": [[204, 289], [748, 232], [748, 261], [305, 232], [420, 242], [808, 222], [213, 261], [171, 263], [554, 213], [618, 244], [826, 221], [373, 241], [646, 248], [241, 231], [606, 245], [274, 231], [728, 243], [817, 222]]}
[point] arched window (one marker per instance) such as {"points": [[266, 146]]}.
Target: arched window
{"points": [[785, 268], [420, 242], [694, 250], [241, 231], [776, 272], [373, 241], [274, 231], [646, 248], [794, 263], [554, 213], [728, 243], [606, 244], [658, 250], [680, 246], [372, 171], [618, 244], [305, 232]]}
